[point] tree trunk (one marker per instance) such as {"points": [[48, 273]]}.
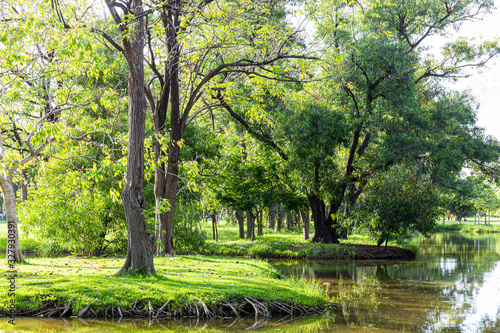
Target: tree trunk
{"points": [[260, 232], [160, 214], [279, 223], [160, 183], [176, 130], [215, 232], [139, 242], [241, 223], [289, 220], [304, 214], [167, 221], [272, 216], [24, 186], [324, 229], [250, 225], [13, 251]]}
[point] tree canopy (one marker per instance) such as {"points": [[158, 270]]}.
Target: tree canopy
{"points": [[185, 107]]}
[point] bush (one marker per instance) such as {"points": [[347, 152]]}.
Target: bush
{"points": [[396, 204], [75, 211]]}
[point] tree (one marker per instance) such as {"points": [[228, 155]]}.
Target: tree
{"points": [[140, 243], [458, 198], [212, 56], [396, 203], [377, 89], [248, 182], [34, 93]]}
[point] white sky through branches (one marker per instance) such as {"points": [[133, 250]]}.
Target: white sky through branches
{"points": [[484, 84]]}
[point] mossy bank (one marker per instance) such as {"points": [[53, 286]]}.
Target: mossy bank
{"points": [[202, 286]]}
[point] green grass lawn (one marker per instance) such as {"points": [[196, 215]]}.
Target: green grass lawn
{"points": [[493, 225], [180, 279]]}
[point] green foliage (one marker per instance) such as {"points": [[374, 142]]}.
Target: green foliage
{"points": [[75, 210], [188, 235], [396, 203]]}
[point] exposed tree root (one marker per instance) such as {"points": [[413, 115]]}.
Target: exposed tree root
{"points": [[257, 308]]}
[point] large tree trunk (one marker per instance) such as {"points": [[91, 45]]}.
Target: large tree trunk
{"points": [[241, 223], [176, 130], [139, 242], [13, 252], [324, 225]]}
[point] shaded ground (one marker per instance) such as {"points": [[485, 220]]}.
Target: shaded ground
{"points": [[373, 252]]}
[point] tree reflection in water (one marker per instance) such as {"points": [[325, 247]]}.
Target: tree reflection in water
{"points": [[452, 287]]}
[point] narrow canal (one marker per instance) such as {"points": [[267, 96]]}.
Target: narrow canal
{"points": [[453, 286]]}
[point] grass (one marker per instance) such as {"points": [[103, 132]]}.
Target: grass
{"points": [[179, 279], [469, 226], [285, 244]]}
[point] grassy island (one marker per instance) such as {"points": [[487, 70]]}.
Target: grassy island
{"points": [[204, 286]]}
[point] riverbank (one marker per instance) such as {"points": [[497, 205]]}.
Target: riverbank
{"points": [[469, 227], [200, 286]]}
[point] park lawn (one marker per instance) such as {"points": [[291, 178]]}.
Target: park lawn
{"points": [[179, 279], [469, 226]]}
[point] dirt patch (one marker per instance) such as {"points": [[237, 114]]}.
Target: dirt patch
{"points": [[373, 252]]}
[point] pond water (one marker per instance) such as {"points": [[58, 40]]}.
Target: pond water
{"points": [[454, 286]]}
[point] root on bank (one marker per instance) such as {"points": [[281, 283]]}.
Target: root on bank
{"points": [[249, 306]]}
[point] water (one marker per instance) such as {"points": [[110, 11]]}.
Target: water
{"points": [[454, 286]]}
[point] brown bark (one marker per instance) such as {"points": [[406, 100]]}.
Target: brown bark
{"points": [[139, 242], [241, 224], [215, 232], [177, 124], [250, 225], [13, 251], [324, 225]]}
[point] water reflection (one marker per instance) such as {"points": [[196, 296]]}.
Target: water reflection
{"points": [[284, 324], [454, 286]]}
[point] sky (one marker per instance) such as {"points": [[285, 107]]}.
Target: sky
{"points": [[485, 85]]}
